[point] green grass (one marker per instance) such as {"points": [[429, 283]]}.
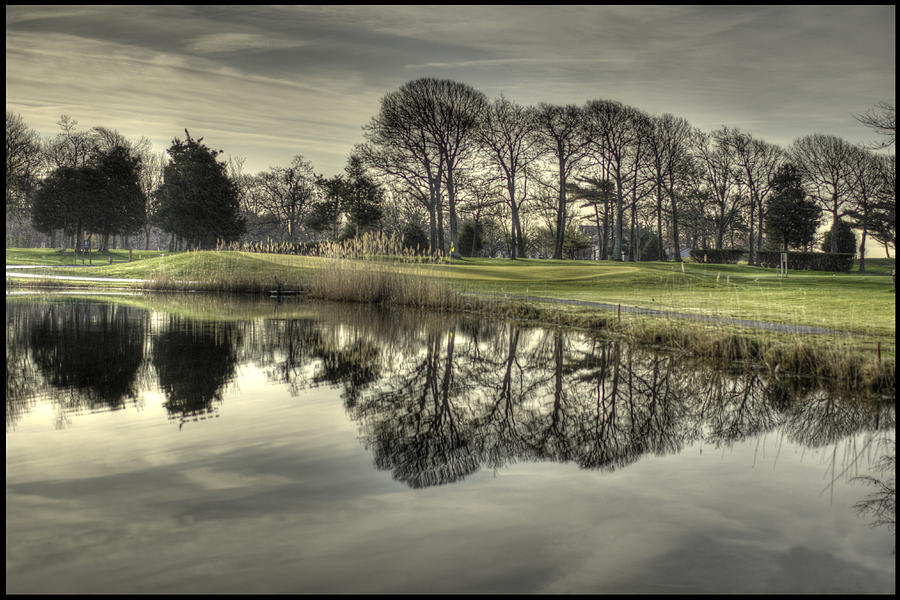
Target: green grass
{"points": [[53, 257]]}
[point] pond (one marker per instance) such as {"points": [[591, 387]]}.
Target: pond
{"points": [[203, 444]]}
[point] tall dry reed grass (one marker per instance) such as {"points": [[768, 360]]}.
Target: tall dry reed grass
{"points": [[377, 268]]}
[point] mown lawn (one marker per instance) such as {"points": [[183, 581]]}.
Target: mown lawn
{"points": [[53, 257]]}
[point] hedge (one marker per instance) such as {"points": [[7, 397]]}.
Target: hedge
{"points": [[808, 261]]}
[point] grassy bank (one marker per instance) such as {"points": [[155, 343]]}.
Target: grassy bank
{"points": [[54, 257], [860, 306]]}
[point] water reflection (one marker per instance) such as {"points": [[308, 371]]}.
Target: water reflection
{"points": [[194, 361], [90, 352], [435, 399], [879, 505]]}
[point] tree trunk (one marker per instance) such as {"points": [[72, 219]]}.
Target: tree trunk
{"points": [[451, 205], [560, 212], [862, 247], [834, 220], [432, 229], [659, 221], [676, 247], [514, 218], [617, 243], [440, 224], [750, 259]]}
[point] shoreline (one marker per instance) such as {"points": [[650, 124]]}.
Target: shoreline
{"points": [[778, 348]]}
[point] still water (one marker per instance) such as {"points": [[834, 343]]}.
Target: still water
{"points": [[187, 443]]}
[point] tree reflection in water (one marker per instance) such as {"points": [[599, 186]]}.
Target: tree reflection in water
{"points": [[92, 354], [194, 361], [437, 398]]}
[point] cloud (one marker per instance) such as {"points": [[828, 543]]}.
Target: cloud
{"points": [[218, 43], [494, 62], [312, 75]]}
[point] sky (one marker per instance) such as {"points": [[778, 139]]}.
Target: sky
{"points": [[265, 83]]}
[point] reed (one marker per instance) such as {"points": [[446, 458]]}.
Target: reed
{"points": [[376, 268]]}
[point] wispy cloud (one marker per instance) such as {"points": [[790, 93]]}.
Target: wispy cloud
{"points": [[494, 62], [217, 43]]}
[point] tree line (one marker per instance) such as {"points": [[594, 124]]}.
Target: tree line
{"points": [[452, 172]]}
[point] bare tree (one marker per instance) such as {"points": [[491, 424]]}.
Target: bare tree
{"points": [[410, 169], [884, 214], [287, 192], [824, 164], [23, 162], [560, 131], [452, 121], [400, 145], [865, 187], [669, 159], [506, 135], [70, 147], [757, 162], [613, 135], [151, 177], [881, 120], [430, 115], [720, 178]]}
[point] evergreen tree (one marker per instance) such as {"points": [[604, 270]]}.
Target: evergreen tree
{"points": [[361, 197], [197, 200], [325, 213], [119, 206], [354, 195], [471, 239], [65, 199], [791, 218], [846, 239]]}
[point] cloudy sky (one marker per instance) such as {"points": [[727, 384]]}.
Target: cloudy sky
{"points": [[267, 83]]}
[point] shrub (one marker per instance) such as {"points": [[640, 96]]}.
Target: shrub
{"points": [[846, 239]]}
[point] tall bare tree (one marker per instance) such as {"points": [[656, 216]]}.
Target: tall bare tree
{"points": [[720, 178], [865, 187], [70, 147], [612, 134], [506, 136], [400, 144], [453, 121], [669, 160], [151, 177], [825, 166], [287, 192], [560, 133], [757, 162]]}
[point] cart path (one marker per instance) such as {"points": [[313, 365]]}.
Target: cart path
{"points": [[765, 325]]}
